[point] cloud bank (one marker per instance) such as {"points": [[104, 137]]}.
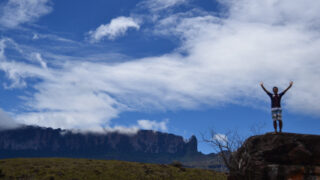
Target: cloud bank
{"points": [[221, 61], [116, 28]]}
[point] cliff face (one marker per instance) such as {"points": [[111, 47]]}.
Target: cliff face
{"points": [[280, 157], [32, 141]]}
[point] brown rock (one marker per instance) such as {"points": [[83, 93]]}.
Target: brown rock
{"points": [[279, 156]]}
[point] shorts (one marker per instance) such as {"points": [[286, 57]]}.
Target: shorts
{"points": [[276, 114]]}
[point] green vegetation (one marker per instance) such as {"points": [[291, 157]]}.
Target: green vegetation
{"points": [[72, 169]]}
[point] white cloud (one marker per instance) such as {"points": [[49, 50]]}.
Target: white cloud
{"points": [[117, 27], [153, 125], [275, 12], [16, 71], [141, 124], [38, 58], [225, 59], [122, 129], [35, 36], [222, 138], [157, 5], [52, 37], [16, 12], [6, 122]]}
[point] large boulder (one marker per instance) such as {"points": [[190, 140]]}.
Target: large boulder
{"points": [[278, 156]]}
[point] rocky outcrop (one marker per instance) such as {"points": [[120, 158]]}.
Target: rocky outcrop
{"points": [[285, 156], [145, 145]]}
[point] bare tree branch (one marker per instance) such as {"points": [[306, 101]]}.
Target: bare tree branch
{"points": [[227, 144]]}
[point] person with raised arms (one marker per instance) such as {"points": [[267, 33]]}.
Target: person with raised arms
{"points": [[276, 105]]}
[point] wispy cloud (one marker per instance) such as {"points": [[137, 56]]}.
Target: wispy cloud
{"points": [[16, 71], [38, 58], [16, 12], [157, 5], [51, 37], [116, 28]]}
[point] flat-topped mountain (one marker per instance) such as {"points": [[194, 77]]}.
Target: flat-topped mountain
{"points": [[144, 146], [31, 141], [278, 156]]}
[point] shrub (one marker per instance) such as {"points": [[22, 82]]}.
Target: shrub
{"points": [[176, 164], [2, 174]]}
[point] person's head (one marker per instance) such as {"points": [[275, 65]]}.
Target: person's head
{"points": [[275, 90]]}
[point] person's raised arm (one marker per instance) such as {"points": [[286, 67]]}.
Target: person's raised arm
{"points": [[283, 92], [265, 90]]}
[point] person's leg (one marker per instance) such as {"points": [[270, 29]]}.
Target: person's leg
{"points": [[280, 119], [274, 118], [280, 125], [275, 126]]}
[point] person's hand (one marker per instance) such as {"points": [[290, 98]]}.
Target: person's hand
{"points": [[291, 83], [261, 83]]}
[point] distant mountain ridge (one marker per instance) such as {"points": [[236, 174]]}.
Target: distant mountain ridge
{"points": [[39, 141], [143, 146]]}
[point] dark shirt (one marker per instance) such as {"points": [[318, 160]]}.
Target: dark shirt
{"points": [[275, 99]]}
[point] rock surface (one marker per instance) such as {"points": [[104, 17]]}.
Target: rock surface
{"points": [[284, 156]]}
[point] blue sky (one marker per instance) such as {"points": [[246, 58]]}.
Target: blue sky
{"points": [[178, 66]]}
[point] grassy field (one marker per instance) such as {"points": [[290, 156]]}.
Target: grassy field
{"points": [[72, 169]]}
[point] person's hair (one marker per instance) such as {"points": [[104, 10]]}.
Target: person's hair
{"points": [[275, 87]]}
